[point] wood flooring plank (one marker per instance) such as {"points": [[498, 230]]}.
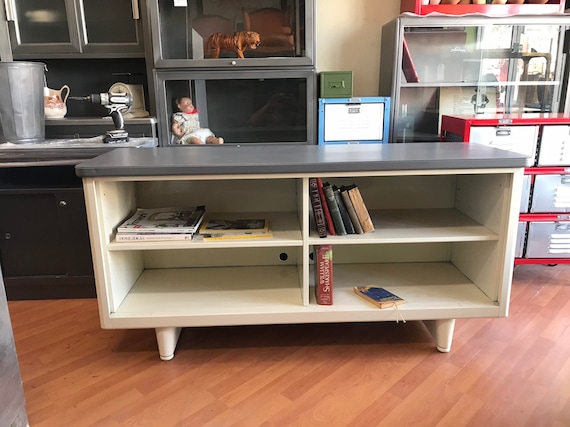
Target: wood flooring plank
{"points": [[512, 371]]}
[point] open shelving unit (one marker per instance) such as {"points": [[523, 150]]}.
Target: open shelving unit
{"points": [[445, 219]]}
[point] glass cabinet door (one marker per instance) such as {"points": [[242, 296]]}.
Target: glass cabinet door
{"points": [[470, 66], [112, 26], [42, 25], [232, 33]]}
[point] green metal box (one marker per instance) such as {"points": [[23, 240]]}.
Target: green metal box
{"points": [[336, 84]]}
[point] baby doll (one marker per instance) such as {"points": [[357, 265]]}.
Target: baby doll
{"points": [[186, 125]]}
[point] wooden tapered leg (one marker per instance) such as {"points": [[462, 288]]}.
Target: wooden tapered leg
{"points": [[442, 332], [167, 338]]}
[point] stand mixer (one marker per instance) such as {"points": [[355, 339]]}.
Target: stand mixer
{"points": [[116, 103]]}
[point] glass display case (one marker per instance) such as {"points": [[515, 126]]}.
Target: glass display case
{"points": [[181, 30], [243, 106], [431, 66]]}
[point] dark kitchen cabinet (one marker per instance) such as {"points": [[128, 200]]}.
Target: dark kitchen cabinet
{"points": [[44, 240], [52, 28]]}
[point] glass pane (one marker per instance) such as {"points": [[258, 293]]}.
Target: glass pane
{"points": [[483, 69], [246, 110], [185, 30], [104, 27], [42, 21]]}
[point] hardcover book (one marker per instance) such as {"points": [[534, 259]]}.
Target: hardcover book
{"points": [[323, 274], [317, 205], [164, 220], [328, 217], [380, 297], [335, 211], [220, 225], [343, 212], [360, 208], [351, 212]]}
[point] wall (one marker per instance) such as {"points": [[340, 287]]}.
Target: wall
{"points": [[348, 38]]}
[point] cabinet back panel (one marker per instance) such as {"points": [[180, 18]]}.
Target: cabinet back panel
{"points": [[403, 192], [222, 257], [279, 195], [405, 252]]}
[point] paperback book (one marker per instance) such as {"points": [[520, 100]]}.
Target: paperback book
{"points": [[220, 225], [238, 235], [380, 297], [152, 237], [164, 220]]}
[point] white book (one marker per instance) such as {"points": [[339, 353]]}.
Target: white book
{"points": [[155, 237], [164, 220]]}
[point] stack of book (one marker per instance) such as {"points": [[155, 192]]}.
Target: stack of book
{"points": [[175, 223], [338, 210], [221, 228]]}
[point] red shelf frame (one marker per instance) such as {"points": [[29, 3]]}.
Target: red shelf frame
{"points": [[551, 8], [462, 124]]}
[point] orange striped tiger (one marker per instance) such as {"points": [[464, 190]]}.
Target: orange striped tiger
{"points": [[237, 42]]}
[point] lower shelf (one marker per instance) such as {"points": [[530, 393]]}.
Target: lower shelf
{"points": [[273, 294]]}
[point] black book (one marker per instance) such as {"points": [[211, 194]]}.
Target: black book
{"points": [[318, 212], [334, 209], [343, 212]]}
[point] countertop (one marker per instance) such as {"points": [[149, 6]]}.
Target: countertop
{"points": [[310, 159], [63, 151]]}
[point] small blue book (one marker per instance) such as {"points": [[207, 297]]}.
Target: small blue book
{"points": [[380, 297]]}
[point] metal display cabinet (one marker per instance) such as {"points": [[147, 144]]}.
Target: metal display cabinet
{"points": [[180, 31], [441, 65], [60, 28], [544, 221]]}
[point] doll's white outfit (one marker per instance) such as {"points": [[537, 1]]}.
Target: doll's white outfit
{"points": [[190, 124]]}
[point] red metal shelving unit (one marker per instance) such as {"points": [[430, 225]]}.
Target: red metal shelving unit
{"points": [[550, 223], [415, 6]]}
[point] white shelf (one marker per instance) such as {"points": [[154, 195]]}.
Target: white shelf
{"points": [[417, 226], [284, 225], [246, 295]]}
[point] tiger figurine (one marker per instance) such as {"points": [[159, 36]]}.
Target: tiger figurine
{"points": [[237, 42]]}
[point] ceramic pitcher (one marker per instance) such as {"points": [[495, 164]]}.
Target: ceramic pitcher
{"points": [[54, 102]]}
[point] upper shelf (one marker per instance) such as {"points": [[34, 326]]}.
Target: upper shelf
{"points": [[549, 8]]}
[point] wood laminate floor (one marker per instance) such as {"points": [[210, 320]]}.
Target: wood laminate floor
{"points": [[505, 372]]}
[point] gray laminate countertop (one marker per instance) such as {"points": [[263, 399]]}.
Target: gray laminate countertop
{"points": [[307, 159]]}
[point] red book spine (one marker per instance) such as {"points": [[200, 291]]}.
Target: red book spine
{"points": [[328, 217], [324, 274]]}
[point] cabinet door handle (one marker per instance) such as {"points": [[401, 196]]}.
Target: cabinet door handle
{"points": [[7, 236], [9, 5], [63, 203], [135, 5]]}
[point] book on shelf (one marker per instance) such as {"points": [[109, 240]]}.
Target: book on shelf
{"points": [[221, 225], [323, 258], [328, 217], [317, 205], [334, 209], [152, 237], [343, 212], [408, 66], [351, 212], [360, 208], [378, 296], [238, 235], [164, 220]]}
